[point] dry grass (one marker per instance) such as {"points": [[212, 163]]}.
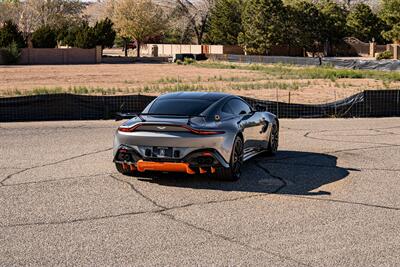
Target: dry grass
{"points": [[274, 82]]}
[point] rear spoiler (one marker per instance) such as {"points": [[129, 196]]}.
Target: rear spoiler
{"points": [[126, 116]]}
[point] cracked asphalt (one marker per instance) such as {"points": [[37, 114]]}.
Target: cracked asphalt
{"points": [[330, 197]]}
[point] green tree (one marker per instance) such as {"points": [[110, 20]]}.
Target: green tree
{"points": [[390, 14], [334, 26], [139, 20], [85, 37], [363, 24], [67, 35], [9, 33], [225, 22], [304, 25], [104, 32], [262, 22], [44, 37]]}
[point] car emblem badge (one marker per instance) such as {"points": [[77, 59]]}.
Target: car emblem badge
{"points": [[161, 127]]}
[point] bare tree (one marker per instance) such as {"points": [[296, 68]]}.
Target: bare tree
{"points": [[53, 13], [9, 11], [197, 12], [99, 10]]}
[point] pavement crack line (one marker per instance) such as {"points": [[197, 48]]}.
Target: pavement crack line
{"points": [[283, 181], [59, 179], [320, 199], [139, 192], [51, 164], [307, 135], [332, 152], [87, 219], [164, 209], [159, 210], [332, 167], [232, 240]]}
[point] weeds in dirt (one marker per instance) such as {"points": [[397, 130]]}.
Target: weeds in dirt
{"points": [[292, 72], [164, 80]]}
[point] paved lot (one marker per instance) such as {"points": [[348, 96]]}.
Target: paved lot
{"points": [[331, 197]]}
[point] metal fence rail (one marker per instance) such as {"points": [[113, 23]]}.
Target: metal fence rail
{"points": [[377, 103], [267, 59]]}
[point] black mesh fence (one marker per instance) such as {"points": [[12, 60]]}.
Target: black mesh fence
{"points": [[69, 107], [376, 103]]}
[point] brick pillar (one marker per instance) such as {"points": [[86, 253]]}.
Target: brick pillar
{"points": [[99, 54], [372, 49], [396, 51]]}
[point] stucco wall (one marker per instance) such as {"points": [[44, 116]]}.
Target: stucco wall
{"points": [[32, 56], [169, 50]]}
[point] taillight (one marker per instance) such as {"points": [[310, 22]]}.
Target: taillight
{"points": [[128, 130], [203, 132], [195, 131]]}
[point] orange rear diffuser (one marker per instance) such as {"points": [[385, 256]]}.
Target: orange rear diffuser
{"points": [[164, 166]]}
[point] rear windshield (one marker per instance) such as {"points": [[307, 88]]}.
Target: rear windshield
{"points": [[179, 106]]}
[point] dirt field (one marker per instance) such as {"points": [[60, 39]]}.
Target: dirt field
{"points": [[158, 78]]}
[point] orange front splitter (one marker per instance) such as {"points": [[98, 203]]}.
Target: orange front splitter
{"points": [[164, 166]]}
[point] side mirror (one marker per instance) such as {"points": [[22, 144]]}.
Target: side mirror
{"points": [[243, 112]]}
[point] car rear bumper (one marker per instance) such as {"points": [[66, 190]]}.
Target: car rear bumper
{"points": [[183, 145]]}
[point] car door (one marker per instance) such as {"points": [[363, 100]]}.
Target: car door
{"points": [[251, 123]]}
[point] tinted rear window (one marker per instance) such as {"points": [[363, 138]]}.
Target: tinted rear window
{"points": [[180, 106]]}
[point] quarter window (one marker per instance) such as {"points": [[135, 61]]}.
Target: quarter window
{"points": [[227, 108], [239, 107]]}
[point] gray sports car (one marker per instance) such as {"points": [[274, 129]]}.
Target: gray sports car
{"points": [[194, 133]]}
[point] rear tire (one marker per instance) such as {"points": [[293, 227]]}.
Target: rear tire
{"points": [[273, 142], [233, 173]]}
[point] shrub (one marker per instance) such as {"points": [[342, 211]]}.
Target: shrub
{"points": [[104, 32], [11, 53], [179, 62], [385, 55], [44, 37], [188, 61], [85, 37], [81, 36]]}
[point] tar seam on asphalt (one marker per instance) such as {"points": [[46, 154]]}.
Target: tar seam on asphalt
{"points": [[307, 135], [226, 238], [333, 167], [59, 179], [52, 163]]}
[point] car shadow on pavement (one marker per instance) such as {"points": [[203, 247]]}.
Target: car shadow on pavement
{"points": [[288, 172]]}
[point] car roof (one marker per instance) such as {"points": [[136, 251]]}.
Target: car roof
{"points": [[211, 96]]}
